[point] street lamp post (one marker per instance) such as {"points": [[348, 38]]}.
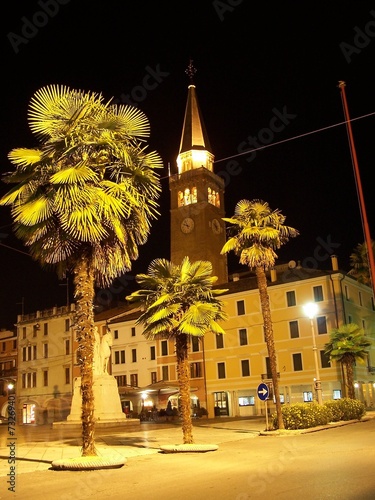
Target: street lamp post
{"points": [[310, 310]]}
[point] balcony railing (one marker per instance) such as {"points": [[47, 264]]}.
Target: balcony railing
{"points": [[12, 373]]}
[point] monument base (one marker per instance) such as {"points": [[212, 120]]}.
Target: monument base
{"points": [[106, 401]]}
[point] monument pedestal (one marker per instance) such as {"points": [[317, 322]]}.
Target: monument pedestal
{"points": [[106, 401]]}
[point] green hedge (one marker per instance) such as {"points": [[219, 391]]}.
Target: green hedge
{"points": [[306, 415]]}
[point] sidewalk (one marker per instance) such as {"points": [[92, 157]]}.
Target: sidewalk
{"points": [[34, 448]]}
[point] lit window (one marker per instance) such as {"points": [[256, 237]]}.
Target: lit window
{"points": [[307, 396]]}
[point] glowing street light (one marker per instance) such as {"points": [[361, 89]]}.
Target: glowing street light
{"points": [[311, 310]]}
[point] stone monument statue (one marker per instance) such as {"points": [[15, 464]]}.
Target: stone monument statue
{"points": [[106, 396], [102, 352]]}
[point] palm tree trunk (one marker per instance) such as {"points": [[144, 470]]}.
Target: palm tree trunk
{"points": [[350, 378], [84, 323], [268, 332], [183, 369]]}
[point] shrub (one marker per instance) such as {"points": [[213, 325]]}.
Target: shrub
{"points": [[351, 408], [307, 415]]}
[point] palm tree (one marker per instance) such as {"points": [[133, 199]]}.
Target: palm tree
{"points": [[180, 303], [347, 345], [83, 202], [359, 262], [255, 233]]}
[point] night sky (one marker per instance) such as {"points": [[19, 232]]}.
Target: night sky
{"points": [[267, 79]]}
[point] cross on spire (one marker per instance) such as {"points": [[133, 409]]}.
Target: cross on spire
{"points": [[190, 71]]}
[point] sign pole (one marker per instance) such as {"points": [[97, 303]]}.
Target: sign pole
{"points": [[263, 393]]}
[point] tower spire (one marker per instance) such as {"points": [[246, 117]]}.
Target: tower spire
{"points": [[194, 134]]}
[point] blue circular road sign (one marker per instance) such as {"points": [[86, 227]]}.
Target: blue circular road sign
{"points": [[263, 391]]}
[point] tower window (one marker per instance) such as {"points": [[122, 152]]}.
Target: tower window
{"points": [[187, 197], [213, 197]]}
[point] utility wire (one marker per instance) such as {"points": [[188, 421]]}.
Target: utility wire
{"points": [[296, 137]]}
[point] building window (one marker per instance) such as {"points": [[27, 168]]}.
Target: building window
{"points": [[268, 368], [336, 394], [195, 344], [152, 352], [133, 331], [246, 401], [134, 380], [45, 329], [67, 325], [67, 346], [29, 353], [195, 370], [245, 367], [14, 344], [119, 357], [360, 298], [240, 307], [67, 375], [4, 345], [187, 197], [35, 329], [293, 329], [307, 396], [24, 332], [322, 324], [243, 336], [164, 371], [318, 293], [121, 380], [324, 360], [221, 370], [115, 334], [346, 290], [45, 378], [291, 298], [28, 380], [134, 355], [213, 197], [219, 341], [164, 347], [350, 318], [153, 377], [297, 362]]}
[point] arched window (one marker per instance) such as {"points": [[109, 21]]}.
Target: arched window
{"points": [[213, 197]]}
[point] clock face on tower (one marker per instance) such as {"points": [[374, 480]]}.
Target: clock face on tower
{"points": [[187, 225]]}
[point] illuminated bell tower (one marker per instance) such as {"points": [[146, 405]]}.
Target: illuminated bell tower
{"points": [[197, 195]]}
